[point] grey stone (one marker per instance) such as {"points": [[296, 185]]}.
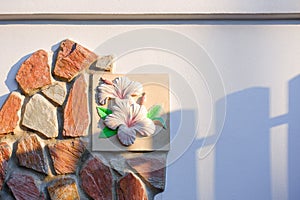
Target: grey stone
{"points": [[119, 165], [151, 170], [56, 92], [40, 115], [105, 63]]}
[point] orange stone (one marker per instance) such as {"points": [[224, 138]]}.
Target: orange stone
{"points": [[66, 154], [130, 187], [76, 114], [5, 153], [71, 59], [34, 73], [9, 117]]}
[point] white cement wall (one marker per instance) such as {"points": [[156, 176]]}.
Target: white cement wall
{"points": [[245, 72], [140, 7]]}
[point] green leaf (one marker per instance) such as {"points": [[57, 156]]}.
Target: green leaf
{"points": [[107, 132], [103, 112], [161, 121], [106, 110], [154, 112]]}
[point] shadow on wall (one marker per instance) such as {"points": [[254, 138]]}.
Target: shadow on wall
{"points": [[242, 159], [181, 176], [293, 122], [242, 154], [3, 99], [10, 81], [242, 166]]}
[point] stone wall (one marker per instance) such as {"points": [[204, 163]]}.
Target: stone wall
{"points": [[45, 147]]}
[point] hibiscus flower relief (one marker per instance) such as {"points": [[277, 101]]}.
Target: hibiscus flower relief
{"points": [[120, 87], [125, 117], [130, 119]]}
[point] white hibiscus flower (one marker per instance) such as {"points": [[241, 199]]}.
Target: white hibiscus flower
{"points": [[120, 87], [130, 119]]}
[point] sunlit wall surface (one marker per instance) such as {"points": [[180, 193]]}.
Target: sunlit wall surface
{"points": [[234, 88]]}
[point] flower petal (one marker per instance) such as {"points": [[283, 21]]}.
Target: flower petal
{"points": [[122, 106], [114, 120], [137, 112], [120, 114], [106, 91], [126, 135], [126, 88], [145, 127]]}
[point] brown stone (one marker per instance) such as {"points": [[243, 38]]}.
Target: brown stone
{"points": [[65, 155], [5, 153], [71, 59], [9, 113], [30, 154], [151, 170], [130, 187], [34, 73], [63, 189], [76, 114], [24, 187], [96, 179]]}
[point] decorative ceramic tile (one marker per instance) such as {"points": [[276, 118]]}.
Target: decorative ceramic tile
{"points": [[155, 97]]}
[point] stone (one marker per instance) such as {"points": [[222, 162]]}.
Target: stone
{"points": [[104, 63], [24, 187], [118, 164], [5, 154], [63, 189], [96, 179], [40, 115], [131, 187], [72, 58], [66, 154], [30, 154], [10, 113], [151, 170], [76, 114], [56, 93], [34, 73]]}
